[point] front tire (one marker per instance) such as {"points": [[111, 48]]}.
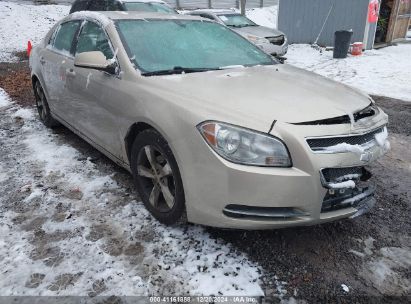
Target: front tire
{"points": [[158, 178], [43, 107]]}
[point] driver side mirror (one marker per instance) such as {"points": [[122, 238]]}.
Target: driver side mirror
{"points": [[94, 60]]}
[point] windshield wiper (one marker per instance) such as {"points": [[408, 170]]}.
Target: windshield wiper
{"points": [[179, 70], [241, 25]]}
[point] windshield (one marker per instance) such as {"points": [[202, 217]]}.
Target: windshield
{"points": [[149, 7], [236, 20], [158, 45]]}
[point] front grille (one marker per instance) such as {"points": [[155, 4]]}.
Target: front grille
{"points": [[279, 40], [317, 144]]}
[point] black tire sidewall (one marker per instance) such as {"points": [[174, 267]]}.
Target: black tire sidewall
{"points": [[49, 121], [153, 138]]}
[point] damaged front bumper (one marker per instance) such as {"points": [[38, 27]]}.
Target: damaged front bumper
{"points": [[318, 188], [347, 188]]}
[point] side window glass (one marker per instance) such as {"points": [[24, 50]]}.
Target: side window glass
{"points": [[64, 37], [52, 36], [98, 5], [93, 38]]}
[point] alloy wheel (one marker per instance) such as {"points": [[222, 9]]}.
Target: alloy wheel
{"points": [[156, 175]]}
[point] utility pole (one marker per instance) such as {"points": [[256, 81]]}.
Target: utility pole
{"points": [[242, 7]]}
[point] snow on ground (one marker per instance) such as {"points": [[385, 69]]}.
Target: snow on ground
{"points": [[385, 71], [382, 267], [20, 23], [4, 98], [68, 227]]}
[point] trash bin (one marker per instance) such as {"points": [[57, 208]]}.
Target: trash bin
{"points": [[342, 41]]}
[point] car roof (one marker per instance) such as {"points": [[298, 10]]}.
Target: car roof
{"points": [[217, 11], [106, 17]]}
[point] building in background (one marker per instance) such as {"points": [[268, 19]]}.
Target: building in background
{"points": [[315, 21]]}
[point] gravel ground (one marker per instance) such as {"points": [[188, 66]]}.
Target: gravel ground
{"points": [[360, 260]]}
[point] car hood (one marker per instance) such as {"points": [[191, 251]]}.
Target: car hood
{"points": [[259, 31], [256, 96]]}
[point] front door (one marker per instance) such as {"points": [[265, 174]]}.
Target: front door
{"points": [[93, 93]]}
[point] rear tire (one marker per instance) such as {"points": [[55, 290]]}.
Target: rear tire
{"points": [[158, 178], [43, 107]]}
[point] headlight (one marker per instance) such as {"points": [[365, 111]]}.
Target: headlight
{"points": [[256, 39], [244, 146]]}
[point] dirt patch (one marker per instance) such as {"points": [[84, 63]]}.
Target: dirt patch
{"points": [[51, 256], [399, 113], [35, 224], [113, 246], [98, 287], [35, 280], [64, 280], [134, 249], [98, 231], [16, 81]]}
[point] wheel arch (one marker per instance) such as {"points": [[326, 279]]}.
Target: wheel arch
{"points": [[132, 133], [34, 78]]}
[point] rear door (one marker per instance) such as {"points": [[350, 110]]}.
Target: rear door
{"points": [[93, 93], [57, 60]]}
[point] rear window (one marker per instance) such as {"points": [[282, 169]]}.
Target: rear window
{"points": [[63, 40]]}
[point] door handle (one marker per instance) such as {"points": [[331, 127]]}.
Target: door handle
{"points": [[70, 72], [42, 61]]}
